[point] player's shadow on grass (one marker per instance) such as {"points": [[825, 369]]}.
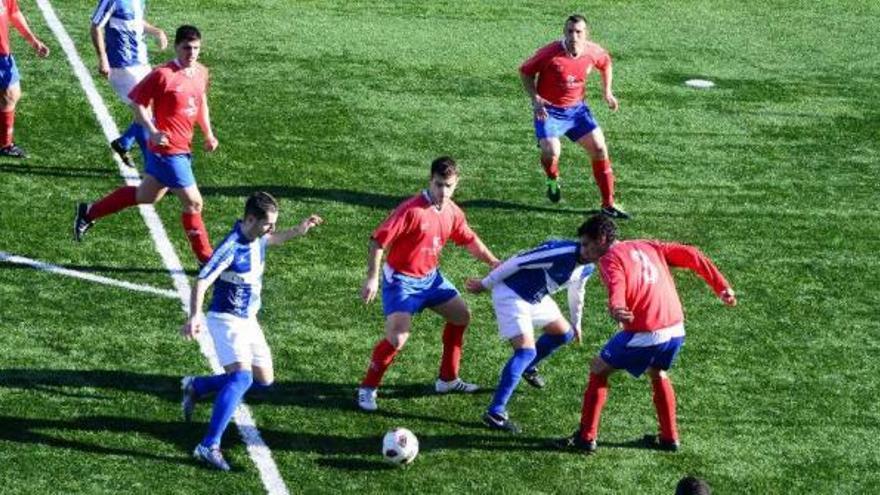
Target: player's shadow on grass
{"points": [[367, 199], [56, 171], [90, 268]]}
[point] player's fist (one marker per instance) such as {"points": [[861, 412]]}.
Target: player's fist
{"points": [[41, 49], [307, 224], [728, 297], [612, 102], [211, 143], [191, 328], [159, 138], [622, 315], [369, 290], [104, 68], [474, 285], [162, 38], [577, 333]]}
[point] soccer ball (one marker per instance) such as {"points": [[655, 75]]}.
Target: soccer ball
{"points": [[399, 446]]}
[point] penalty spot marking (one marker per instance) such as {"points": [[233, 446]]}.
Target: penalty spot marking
{"points": [[48, 267], [699, 83], [256, 447]]}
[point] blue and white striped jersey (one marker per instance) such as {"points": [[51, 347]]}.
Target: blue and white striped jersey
{"points": [[240, 264], [123, 24], [544, 270]]}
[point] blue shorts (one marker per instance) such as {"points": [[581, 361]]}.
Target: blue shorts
{"points": [[8, 71], [411, 295], [174, 171], [575, 122], [636, 360]]}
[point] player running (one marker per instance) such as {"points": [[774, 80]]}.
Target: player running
{"points": [[236, 271], [521, 289], [177, 93], [414, 235], [117, 29], [555, 79], [10, 85], [642, 298]]}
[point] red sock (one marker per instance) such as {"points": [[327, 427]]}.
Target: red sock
{"points": [[197, 235], [664, 402], [383, 354], [594, 401], [551, 166], [453, 337], [7, 122], [119, 199], [605, 180]]}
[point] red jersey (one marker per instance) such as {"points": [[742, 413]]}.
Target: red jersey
{"points": [[636, 274], [176, 95], [7, 9], [562, 79], [416, 232]]}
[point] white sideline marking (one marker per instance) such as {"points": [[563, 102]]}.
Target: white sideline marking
{"points": [[48, 267], [256, 447]]}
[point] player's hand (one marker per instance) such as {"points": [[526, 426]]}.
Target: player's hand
{"points": [[41, 49], [159, 138], [577, 333], [728, 297], [474, 285], [162, 38], [612, 102], [191, 328], [307, 224], [622, 315], [538, 108], [494, 264], [211, 143], [104, 68], [369, 290]]}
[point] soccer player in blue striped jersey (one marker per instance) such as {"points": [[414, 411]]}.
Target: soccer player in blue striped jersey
{"points": [[521, 295], [236, 271], [118, 28]]}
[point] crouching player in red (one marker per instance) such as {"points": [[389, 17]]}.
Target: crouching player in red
{"points": [[414, 235], [643, 299], [236, 272]]}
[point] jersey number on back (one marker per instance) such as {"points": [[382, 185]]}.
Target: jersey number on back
{"points": [[648, 268]]}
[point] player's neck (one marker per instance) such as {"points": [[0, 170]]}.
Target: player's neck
{"points": [[430, 198], [570, 49]]}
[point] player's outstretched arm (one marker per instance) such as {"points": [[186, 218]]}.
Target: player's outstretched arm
{"points": [[683, 256], [302, 229], [21, 25], [157, 33], [479, 251], [371, 284]]}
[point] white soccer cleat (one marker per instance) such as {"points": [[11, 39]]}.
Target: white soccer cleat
{"points": [[457, 385], [367, 399]]}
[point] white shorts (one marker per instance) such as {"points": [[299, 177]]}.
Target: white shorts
{"points": [[517, 316], [123, 79], [239, 340]]}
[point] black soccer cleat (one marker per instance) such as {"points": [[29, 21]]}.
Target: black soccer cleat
{"points": [[533, 378], [575, 443], [554, 190], [655, 442], [81, 223], [122, 153], [615, 212], [500, 422], [13, 151]]}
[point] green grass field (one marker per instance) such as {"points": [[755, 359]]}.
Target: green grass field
{"points": [[337, 107]]}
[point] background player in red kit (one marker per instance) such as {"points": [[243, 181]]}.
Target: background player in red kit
{"points": [[10, 86], [643, 299], [414, 235], [555, 79], [177, 92]]}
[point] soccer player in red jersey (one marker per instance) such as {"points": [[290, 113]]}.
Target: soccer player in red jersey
{"points": [[10, 86], [177, 94], [414, 235], [642, 298], [555, 79]]}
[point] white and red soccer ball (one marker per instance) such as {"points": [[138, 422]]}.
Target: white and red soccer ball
{"points": [[399, 446]]}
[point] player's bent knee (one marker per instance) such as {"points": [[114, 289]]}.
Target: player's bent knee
{"points": [[397, 339]]}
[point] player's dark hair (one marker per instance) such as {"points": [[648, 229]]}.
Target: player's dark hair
{"points": [[444, 167], [260, 204], [690, 485], [598, 227], [187, 33], [576, 18]]}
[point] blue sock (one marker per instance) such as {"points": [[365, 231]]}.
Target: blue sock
{"points": [[509, 379], [130, 135], [224, 405], [548, 344], [204, 385]]}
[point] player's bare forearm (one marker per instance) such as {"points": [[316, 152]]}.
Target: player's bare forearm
{"points": [[21, 25], [100, 49], [371, 284], [479, 251], [607, 76], [298, 231], [204, 121], [157, 33]]}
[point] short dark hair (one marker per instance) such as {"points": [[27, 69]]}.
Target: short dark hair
{"points": [[260, 204], [444, 167], [690, 485], [187, 33], [576, 18], [597, 227]]}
